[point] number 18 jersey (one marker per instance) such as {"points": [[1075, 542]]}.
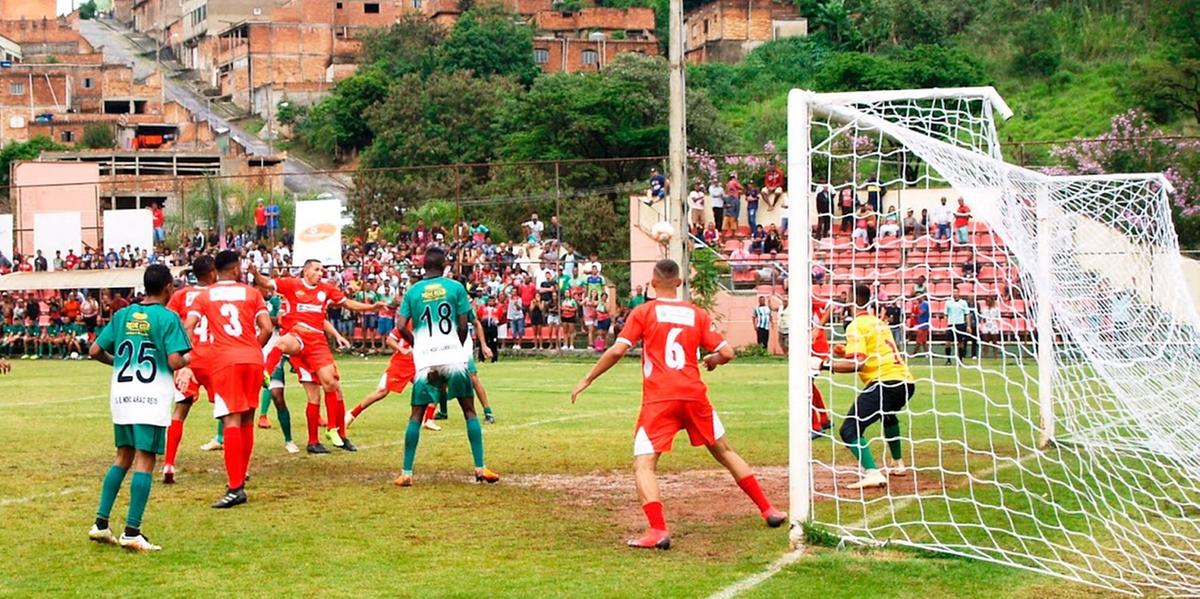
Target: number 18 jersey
{"points": [[434, 306], [672, 333]]}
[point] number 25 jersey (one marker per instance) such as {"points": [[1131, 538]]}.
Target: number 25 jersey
{"points": [[672, 333]]}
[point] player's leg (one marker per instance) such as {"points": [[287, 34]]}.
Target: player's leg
{"points": [[174, 436], [287, 344], [412, 436], [139, 487], [866, 410], [264, 406], [480, 392], [458, 385], [430, 415], [284, 415], [820, 414], [312, 415], [645, 477], [114, 477], [745, 479], [335, 407], [379, 393]]}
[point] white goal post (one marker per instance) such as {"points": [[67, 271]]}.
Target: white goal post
{"points": [[1073, 449]]}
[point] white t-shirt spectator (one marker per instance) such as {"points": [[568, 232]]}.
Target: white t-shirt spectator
{"points": [[717, 193], [536, 227], [941, 215], [696, 199]]}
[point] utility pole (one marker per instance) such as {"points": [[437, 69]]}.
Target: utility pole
{"points": [[675, 213]]}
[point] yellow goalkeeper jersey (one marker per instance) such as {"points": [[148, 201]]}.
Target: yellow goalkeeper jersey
{"points": [[869, 336]]}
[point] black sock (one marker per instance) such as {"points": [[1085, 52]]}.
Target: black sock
{"points": [[132, 531], [102, 523]]}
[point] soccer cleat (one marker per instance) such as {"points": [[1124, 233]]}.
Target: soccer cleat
{"points": [[168, 475], [440, 416], [333, 437], [347, 445], [230, 499], [291, 447], [871, 478], [212, 445], [102, 535], [814, 435], [653, 539], [488, 418], [266, 384], [138, 543], [774, 517], [403, 481], [350, 419], [483, 475], [431, 425], [316, 448], [897, 468], [263, 421]]}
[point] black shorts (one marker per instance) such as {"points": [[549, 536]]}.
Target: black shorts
{"points": [[881, 400], [536, 318]]}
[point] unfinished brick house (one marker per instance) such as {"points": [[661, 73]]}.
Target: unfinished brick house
{"points": [[726, 30], [29, 10]]}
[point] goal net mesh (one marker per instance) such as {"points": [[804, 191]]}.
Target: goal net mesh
{"points": [[1113, 501]]}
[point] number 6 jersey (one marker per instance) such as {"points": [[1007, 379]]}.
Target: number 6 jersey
{"points": [[434, 306], [672, 333], [140, 337]]}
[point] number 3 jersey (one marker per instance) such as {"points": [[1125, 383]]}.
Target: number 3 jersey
{"points": [[672, 333], [140, 337], [228, 312], [434, 306]]}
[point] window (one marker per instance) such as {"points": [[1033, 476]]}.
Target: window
{"points": [[371, 8], [88, 83], [541, 55], [68, 136], [417, 4], [591, 57], [705, 26], [16, 89], [339, 6]]}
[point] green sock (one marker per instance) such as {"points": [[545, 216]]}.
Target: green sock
{"points": [[862, 451], [475, 435], [220, 432], [285, 423], [108, 491], [264, 402], [442, 406], [412, 436], [139, 495], [892, 434]]}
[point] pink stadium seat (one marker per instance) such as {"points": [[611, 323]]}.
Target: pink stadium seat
{"points": [[941, 290]]}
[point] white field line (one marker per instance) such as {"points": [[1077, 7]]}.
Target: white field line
{"points": [[25, 404], [7, 501]]}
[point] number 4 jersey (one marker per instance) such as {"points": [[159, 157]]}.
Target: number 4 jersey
{"points": [[672, 333], [140, 337], [434, 307]]}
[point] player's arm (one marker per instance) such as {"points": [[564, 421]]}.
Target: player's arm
{"points": [[483, 346], [266, 328], [342, 342], [606, 361], [394, 343], [102, 347], [260, 280]]}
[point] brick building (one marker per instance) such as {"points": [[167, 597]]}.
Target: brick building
{"points": [[726, 30], [29, 10], [122, 11], [152, 17]]}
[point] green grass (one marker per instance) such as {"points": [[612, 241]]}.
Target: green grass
{"points": [[335, 524]]}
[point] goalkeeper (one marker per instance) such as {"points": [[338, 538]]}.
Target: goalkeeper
{"points": [[871, 352]]}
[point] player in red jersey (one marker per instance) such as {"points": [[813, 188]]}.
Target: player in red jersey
{"points": [[206, 274], [820, 351], [674, 398], [233, 317], [400, 373], [305, 301]]}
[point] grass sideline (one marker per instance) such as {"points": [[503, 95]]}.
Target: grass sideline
{"points": [[335, 524]]}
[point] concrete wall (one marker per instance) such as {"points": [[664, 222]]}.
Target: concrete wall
{"points": [[15, 10], [79, 196]]}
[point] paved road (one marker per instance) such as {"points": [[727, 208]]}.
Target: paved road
{"points": [[299, 176]]}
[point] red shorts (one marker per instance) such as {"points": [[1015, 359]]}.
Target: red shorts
{"points": [[303, 374], [189, 394], [922, 336], [235, 388], [394, 381], [315, 353], [660, 421]]}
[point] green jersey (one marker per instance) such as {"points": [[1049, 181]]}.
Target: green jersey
{"points": [[434, 307], [273, 304], [75, 329], [140, 337]]}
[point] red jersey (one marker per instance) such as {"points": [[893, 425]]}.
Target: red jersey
{"points": [[181, 303], [962, 216], [228, 312], [401, 365], [672, 333], [306, 305], [820, 342]]}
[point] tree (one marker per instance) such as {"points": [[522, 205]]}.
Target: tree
{"points": [[27, 150], [98, 136], [87, 10], [409, 46], [488, 41], [337, 122], [1036, 44], [1164, 87]]}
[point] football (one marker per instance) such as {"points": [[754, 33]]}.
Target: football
{"points": [[662, 232], [74, 355]]}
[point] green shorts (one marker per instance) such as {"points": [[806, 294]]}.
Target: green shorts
{"points": [[471, 367], [277, 377], [436, 385], [142, 437]]}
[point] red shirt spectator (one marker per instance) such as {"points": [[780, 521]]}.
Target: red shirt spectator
{"points": [[156, 215], [773, 179], [527, 291], [962, 215], [260, 216], [71, 261], [26, 266]]}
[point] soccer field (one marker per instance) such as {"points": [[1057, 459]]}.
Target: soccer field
{"points": [[335, 525]]}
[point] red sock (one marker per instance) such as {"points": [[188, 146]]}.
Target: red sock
{"points": [[335, 411], [234, 456], [174, 436], [247, 447], [654, 515], [357, 410], [750, 486], [312, 413], [274, 357], [819, 413], [429, 412]]}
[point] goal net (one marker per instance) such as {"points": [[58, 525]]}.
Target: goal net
{"points": [[1051, 335]]}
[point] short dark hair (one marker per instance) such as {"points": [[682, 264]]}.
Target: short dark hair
{"points": [[862, 295], [226, 259], [156, 278], [435, 259], [667, 270], [311, 261], [203, 266]]}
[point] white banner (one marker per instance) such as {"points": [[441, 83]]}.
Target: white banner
{"points": [[57, 232], [6, 237], [133, 228], [318, 232]]}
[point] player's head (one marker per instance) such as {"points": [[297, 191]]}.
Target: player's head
{"points": [[312, 271], [205, 270], [229, 265], [435, 261], [666, 277], [862, 296], [157, 281]]}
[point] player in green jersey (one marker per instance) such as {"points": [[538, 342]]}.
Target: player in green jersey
{"points": [[144, 343], [273, 394]]}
